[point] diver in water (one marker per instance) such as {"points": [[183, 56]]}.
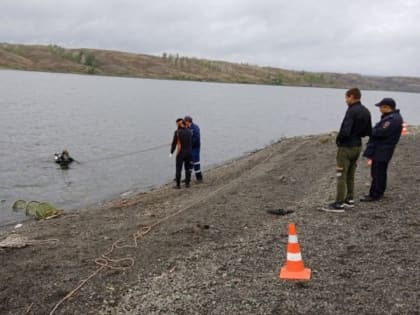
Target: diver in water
{"points": [[63, 159]]}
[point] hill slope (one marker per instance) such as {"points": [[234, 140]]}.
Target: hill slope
{"points": [[54, 58]]}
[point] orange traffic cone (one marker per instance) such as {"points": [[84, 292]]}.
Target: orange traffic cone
{"points": [[294, 268], [404, 130]]}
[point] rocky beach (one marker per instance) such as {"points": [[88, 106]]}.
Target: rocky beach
{"points": [[214, 248]]}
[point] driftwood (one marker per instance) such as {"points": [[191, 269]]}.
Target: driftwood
{"points": [[14, 241], [19, 241]]}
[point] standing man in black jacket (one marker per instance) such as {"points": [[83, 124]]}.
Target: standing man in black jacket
{"points": [[182, 143], [381, 146], [356, 124]]}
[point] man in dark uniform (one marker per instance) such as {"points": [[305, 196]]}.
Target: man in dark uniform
{"points": [[196, 145], [182, 143], [356, 124], [381, 146]]}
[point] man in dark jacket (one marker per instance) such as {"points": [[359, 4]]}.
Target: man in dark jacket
{"points": [[381, 146], [182, 143], [356, 124], [196, 145]]}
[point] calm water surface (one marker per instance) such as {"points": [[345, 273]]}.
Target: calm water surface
{"points": [[109, 125]]}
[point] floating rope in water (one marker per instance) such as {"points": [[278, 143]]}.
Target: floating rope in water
{"points": [[113, 157]]}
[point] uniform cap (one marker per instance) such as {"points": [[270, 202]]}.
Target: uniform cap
{"points": [[387, 101]]}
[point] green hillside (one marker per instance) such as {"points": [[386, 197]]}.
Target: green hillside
{"points": [[53, 58]]}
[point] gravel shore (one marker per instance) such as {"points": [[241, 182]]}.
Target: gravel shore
{"points": [[214, 249]]}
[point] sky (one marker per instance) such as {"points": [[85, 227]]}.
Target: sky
{"points": [[371, 37]]}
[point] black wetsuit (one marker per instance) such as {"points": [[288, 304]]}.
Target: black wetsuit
{"points": [[64, 160], [182, 142]]}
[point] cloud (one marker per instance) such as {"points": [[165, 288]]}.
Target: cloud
{"points": [[369, 37]]}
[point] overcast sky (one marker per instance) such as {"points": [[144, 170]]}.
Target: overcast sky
{"points": [[378, 37]]}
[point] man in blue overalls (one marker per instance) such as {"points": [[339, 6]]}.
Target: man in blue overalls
{"points": [[381, 146], [196, 144]]}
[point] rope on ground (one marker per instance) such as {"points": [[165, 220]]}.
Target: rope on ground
{"points": [[104, 261]]}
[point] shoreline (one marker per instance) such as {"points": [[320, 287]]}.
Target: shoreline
{"points": [[135, 192], [132, 193], [213, 248], [131, 198]]}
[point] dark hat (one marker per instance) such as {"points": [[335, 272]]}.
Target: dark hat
{"points": [[188, 118], [387, 101]]}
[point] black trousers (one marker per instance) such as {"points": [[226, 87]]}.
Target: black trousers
{"points": [[183, 160], [378, 171]]}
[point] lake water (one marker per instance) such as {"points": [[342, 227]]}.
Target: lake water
{"points": [[120, 129]]}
